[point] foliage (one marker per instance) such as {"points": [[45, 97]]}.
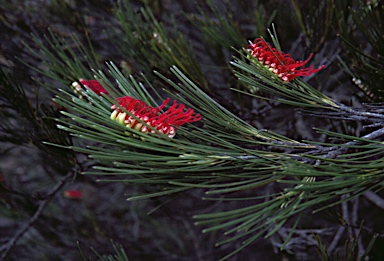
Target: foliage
{"points": [[365, 56], [266, 183]]}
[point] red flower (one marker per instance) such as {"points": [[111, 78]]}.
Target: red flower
{"points": [[280, 63], [73, 194], [94, 85], [166, 123]]}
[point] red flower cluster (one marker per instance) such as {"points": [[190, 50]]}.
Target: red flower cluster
{"points": [[280, 63], [94, 85], [166, 122]]}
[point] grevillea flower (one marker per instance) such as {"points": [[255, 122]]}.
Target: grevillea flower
{"points": [[94, 85], [280, 63], [166, 123]]}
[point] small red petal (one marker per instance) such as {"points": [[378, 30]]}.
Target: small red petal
{"points": [[94, 85], [73, 194]]}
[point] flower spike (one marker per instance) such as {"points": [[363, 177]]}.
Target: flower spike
{"points": [[166, 123], [280, 63]]}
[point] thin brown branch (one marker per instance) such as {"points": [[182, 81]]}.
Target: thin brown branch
{"points": [[375, 199], [333, 152], [8, 247]]}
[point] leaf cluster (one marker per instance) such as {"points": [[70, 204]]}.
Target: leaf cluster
{"points": [[363, 42], [227, 157]]}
